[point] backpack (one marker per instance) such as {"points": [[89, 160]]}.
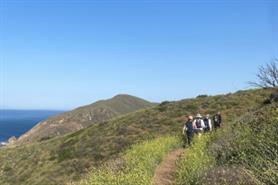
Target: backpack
{"points": [[206, 121], [189, 126], [215, 119], [199, 123]]}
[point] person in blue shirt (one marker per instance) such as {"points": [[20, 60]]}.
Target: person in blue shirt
{"points": [[188, 130]]}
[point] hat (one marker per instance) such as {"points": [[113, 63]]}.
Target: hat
{"points": [[199, 116], [190, 117]]}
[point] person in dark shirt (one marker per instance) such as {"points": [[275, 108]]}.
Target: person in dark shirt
{"points": [[217, 120], [207, 121], [188, 130]]}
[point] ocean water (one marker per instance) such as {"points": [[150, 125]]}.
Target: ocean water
{"points": [[17, 122]]}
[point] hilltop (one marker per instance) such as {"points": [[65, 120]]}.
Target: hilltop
{"points": [[83, 117], [67, 158]]}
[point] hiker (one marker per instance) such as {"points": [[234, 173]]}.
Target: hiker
{"points": [[188, 130], [207, 122], [217, 120], [200, 125]]}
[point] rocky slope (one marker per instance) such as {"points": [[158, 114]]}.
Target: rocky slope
{"points": [[83, 117]]}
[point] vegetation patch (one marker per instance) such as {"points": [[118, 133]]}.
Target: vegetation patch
{"points": [[194, 162], [137, 165], [244, 152]]}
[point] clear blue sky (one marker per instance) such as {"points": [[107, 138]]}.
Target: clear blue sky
{"points": [[63, 54]]}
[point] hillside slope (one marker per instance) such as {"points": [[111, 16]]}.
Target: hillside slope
{"points": [[83, 117], [245, 152], [63, 159]]}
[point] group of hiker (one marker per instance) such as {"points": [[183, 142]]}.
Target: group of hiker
{"points": [[199, 125]]}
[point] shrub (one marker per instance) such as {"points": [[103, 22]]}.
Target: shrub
{"points": [[202, 96], [255, 146], [272, 98], [163, 106]]}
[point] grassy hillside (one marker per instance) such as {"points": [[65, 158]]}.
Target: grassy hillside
{"points": [[83, 117], [244, 153], [67, 158], [136, 166]]}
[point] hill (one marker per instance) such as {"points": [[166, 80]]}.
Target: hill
{"points": [[83, 117], [67, 158], [242, 152]]}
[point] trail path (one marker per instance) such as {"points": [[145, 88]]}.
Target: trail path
{"points": [[164, 173]]}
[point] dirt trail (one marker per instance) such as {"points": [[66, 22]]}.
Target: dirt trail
{"points": [[164, 173]]}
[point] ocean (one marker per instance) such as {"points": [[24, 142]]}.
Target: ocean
{"points": [[17, 122]]}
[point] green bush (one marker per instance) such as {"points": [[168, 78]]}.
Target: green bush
{"points": [[255, 147], [202, 96]]}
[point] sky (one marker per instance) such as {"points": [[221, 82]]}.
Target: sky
{"points": [[64, 54]]}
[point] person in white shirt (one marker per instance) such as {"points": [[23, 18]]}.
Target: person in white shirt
{"points": [[200, 125]]}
